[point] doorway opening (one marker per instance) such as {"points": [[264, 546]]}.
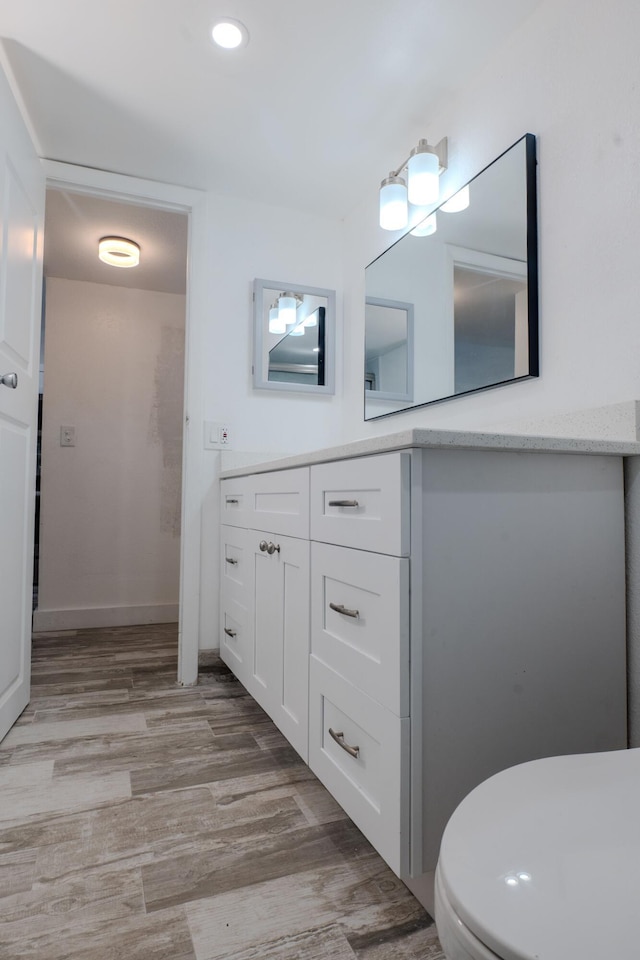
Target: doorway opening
{"points": [[108, 547]]}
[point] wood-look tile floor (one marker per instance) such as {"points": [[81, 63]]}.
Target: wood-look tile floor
{"points": [[144, 821]]}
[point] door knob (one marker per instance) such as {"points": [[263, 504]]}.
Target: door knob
{"points": [[9, 380]]}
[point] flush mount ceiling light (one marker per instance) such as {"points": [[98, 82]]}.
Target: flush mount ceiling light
{"points": [[420, 188], [119, 252], [230, 34]]}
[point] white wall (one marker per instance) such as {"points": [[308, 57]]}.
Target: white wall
{"points": [[110, 505], [249, 240], [571, 76]]}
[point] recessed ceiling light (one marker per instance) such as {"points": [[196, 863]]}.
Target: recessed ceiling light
{"points": [[230, 34], [119, 252]]}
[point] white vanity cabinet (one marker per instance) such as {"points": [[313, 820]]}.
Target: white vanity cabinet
{"points": [[466, 612]]}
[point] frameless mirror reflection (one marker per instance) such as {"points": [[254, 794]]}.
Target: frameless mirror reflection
{"points": [[293, 337], [470, 289]]}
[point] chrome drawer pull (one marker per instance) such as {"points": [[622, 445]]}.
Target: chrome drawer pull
{"points": [[263, 545], [340, 608], [231, 560], [232, 501], [339, 739], [343, 503], [273, 548], [229, 633]]}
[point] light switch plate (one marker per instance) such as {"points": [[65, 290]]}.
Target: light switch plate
{"points": [[67, 436]]}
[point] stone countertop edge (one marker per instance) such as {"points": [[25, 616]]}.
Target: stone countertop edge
{"points": [[443, 440]]}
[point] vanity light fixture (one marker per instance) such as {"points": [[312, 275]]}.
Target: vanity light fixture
{"points": [[298, 330], [230, 34], [424, 166], [119, 252], [458, 202]]}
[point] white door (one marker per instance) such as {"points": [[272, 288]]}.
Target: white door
{"points": [[22, 193]]}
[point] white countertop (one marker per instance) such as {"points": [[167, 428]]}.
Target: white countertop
{"points": [[443, 439]]}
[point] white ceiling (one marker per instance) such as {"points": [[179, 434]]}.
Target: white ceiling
{"points": [[327, 96], [322, 96]]}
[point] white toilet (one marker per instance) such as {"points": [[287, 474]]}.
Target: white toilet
{"points": [[542, 862]]}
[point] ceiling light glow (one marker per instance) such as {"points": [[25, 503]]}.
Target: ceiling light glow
{"points": [[230, 34], [119, 252]]}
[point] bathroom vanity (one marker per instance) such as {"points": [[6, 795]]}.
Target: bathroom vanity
{"points": [[418, 611]]}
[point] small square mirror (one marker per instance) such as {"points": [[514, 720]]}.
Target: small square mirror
{"points": [[293, 337]]}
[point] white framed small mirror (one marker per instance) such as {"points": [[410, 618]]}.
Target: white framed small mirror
{"points": [[294, 337], [388, 349]]}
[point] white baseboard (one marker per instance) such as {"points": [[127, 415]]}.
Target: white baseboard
{"points": [[83, 618]]}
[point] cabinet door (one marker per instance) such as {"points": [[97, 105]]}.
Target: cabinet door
{"points": [[279, 660], [236, 593]]}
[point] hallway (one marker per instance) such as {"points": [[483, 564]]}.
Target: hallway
{"points": [[145, 821]]}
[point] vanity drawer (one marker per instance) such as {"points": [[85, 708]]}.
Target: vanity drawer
{"points": [[360, 620], [279, 502], [234, 501], [234, 637], [235, 566], [372, 786], [363, 503]]}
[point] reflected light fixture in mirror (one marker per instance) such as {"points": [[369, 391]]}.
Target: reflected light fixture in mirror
{"points": [[119, 252], [458, 202], [420, 188], [276, 325], [287, 306], [426, 227]]}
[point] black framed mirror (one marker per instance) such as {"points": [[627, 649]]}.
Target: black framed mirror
{"points": [[471, 286]]}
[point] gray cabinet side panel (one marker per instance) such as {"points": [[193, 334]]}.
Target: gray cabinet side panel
{"points": [[523, 607]]}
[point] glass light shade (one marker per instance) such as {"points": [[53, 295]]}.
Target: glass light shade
{"points": [[394, 208], [119, 252], [297, 331], [426, 227], [275, 324], [423, 180], [287, 307], [312, 319], [459, 201]]}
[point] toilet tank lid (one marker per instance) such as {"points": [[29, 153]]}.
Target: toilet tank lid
{"points": [[543, 860]]}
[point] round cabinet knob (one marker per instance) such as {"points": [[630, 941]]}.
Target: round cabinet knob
{"points": [[271, 548], [263, 545]]}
